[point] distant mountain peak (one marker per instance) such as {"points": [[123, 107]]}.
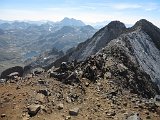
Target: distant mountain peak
{"points": [[71, 22]]}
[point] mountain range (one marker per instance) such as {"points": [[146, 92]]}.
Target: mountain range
{"points": [[21, 41]]}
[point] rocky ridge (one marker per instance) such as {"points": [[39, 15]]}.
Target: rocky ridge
{"points": [[142, 41]]}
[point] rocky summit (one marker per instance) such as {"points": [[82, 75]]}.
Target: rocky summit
{"points": [[112, 76]]}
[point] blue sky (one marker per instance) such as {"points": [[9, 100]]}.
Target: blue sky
{"points": [[89, 11]]}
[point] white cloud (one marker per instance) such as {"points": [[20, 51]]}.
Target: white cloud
{"points": [[122, 6]]}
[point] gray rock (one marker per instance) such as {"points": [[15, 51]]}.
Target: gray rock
{"points": [[67, 117], [68, 99], [42, 82], [60, 106], [40, 97], [157, 100], [11, 70], [44, 92], [3, 115], [33, 109], [111, 113], [2, 80], [122, 67], [74, 111], [12, 75], [107, 75], [133, 117], [37, 71]]}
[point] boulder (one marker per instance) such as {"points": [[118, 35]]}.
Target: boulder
{"points": [[44, 92], [57, 75], [33, 109], [2, 80], [74, 111], [40, 97], [13, 75], [107, 75], [133, 117], [157, 100], [121, 67], [60, 106], [42, 82], [3, 115], [10, 71], [37, 70]]}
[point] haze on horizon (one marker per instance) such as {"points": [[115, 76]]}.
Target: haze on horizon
{"points": [[89, 11]]}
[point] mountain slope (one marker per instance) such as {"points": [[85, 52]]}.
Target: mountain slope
{"points": [[141, 45], [94, 44]]}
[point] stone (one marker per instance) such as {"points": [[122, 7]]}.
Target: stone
{"points": [[40, 97], [33, 109], [125, 104], [42, 82], [107, 75], [86, 84], [44, 92], [18, 87], [157, 100], [13, 75], [133, 117], [62, 75], [148, 117], [3, 115], [122, 67], [74, 111], [111, 113], [68, 99], [37, 70], [60, 106], [17, 69], [67, 117], [2, 80]]}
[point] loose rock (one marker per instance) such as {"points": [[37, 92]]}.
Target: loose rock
{"points": [[74, 111], [33, 109]]}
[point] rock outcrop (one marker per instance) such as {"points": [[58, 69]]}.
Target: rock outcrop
{"points": [[9, 71]]}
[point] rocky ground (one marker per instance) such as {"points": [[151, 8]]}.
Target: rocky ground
{"points": [[100, 88]]}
